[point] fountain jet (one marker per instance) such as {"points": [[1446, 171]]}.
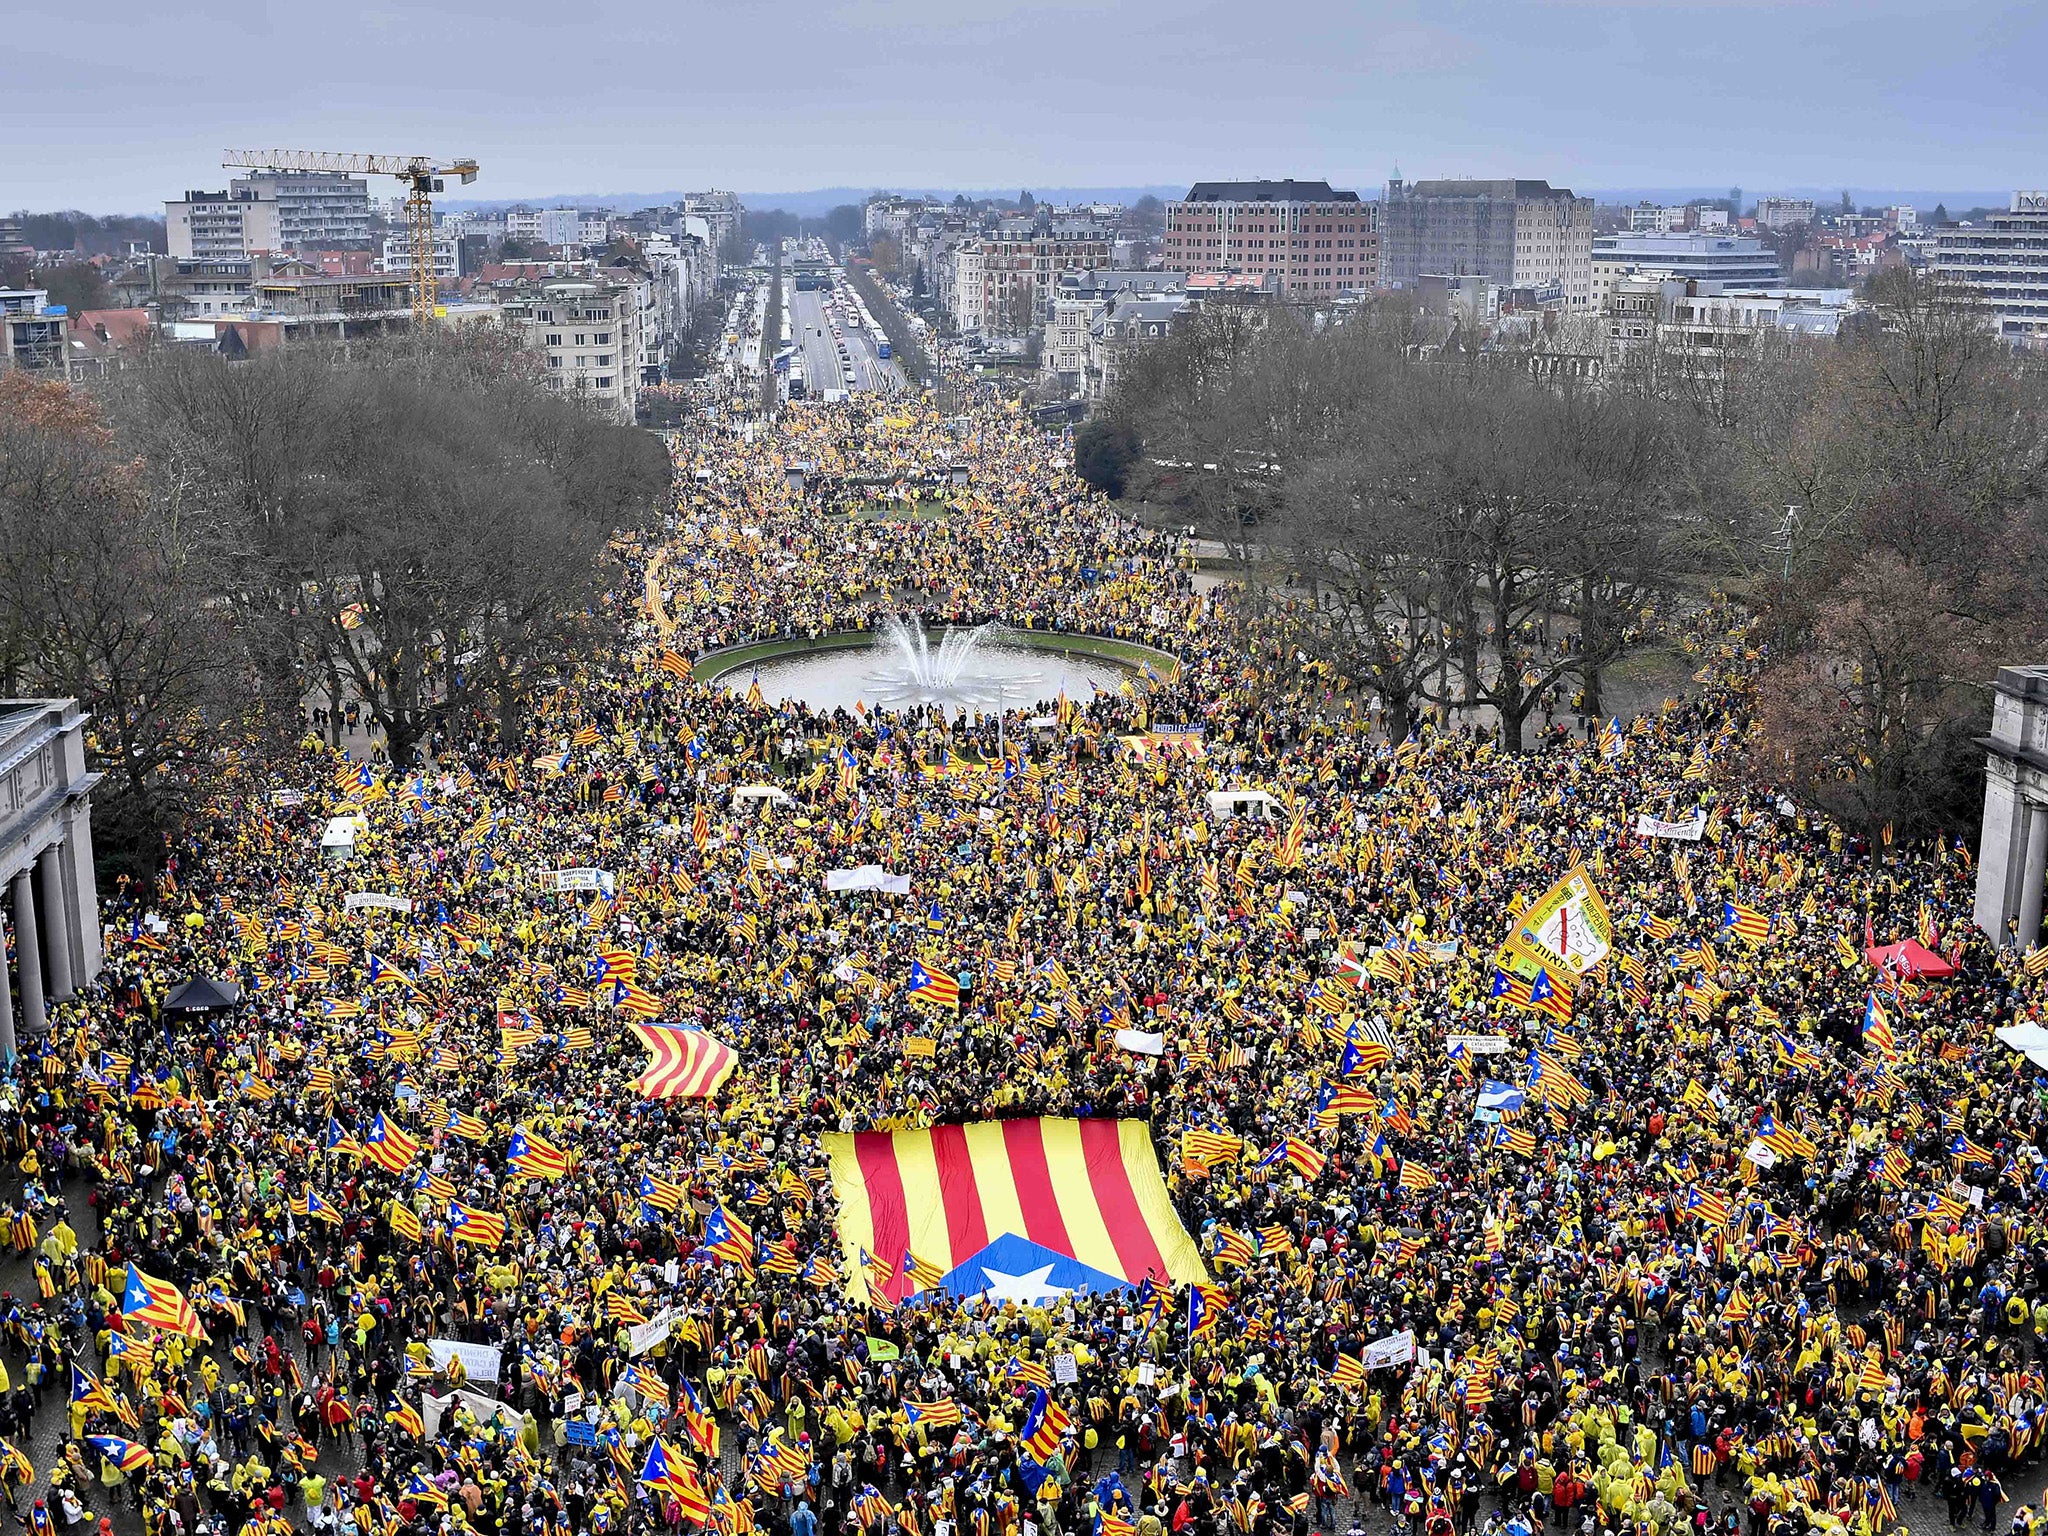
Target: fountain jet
{"points": [[914, 673]]}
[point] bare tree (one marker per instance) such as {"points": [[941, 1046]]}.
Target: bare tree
{"points": [[1872, 720], [1923, 451], [1370, 608], [109, 596]]}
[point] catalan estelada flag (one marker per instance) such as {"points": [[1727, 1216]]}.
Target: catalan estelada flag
{"points": [[160, 1304], [932, 986], [533, 1158], [388, 1146], [486, 1229], [1020, 1209], [1745, 922], [125, 1454], [686, 1062]]}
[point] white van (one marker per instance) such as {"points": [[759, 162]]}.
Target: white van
{"points": [[1244, 804]]}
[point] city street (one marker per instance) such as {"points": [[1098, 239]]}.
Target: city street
{"points": [[822, 369]]}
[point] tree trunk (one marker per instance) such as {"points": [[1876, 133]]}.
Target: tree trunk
{"points": [[510, 716]]}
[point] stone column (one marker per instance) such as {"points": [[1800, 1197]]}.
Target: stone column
{"points": [[51, 909], [6, 1008], [27, 957], [2033, 875]]}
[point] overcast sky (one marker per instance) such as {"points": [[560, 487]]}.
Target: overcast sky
{"points": [[116, 106]]}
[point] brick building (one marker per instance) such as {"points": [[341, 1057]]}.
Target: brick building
{"points": [[1314, 239]]}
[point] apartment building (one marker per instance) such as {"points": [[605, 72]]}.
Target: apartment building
{"points": [[1648, 218], [1316, 240], [891, 215], [1081, 298], [1784, 212], [561, 226], [721, 211], [396, 255], [1522, 234], [962, 293], [188, 287], [1683, 332], [315, 209], [1714, 260], [588, 330], [1134, 321], [222, 226], [2003, 263], [34, 338], [1003, 284]]}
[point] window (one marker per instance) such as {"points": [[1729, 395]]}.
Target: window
{"points": [[554, 338], [604, 359], [604, 381]]}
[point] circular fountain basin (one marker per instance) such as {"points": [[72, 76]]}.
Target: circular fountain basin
{"points": [[1018, 672]]}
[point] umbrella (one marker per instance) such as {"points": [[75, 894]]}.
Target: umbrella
{"points": [[203, 994]]}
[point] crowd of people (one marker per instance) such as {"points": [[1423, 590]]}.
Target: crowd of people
{"points": [[1738, 1229]]}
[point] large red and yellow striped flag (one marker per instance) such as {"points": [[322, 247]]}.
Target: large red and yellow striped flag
{"points": [[686, 1063], [991, 1204]]}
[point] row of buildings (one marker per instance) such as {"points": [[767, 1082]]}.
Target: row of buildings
{"points": [[596, 330], [603, 300], [1476, 248], [1312, 241], [303, 212]]}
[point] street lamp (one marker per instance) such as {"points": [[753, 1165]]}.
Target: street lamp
{"points": [[1785, 536]]}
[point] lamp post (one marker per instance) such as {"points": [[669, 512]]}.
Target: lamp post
{"points": [[1785, 538]]}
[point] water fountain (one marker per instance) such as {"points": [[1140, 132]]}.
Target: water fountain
{"points": [[989, 668], [958, 675]]}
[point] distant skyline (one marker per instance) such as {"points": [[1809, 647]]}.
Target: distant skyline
{"points": [[119, 107]]}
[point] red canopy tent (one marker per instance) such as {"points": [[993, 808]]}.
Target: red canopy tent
{"points": [[1911, 958]]}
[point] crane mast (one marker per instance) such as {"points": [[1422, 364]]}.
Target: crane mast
{"points": [[422, 174]]}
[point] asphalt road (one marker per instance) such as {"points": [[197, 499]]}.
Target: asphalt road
{"points": [[822, 368]]}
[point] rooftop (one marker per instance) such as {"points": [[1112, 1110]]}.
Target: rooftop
{"points": [[1680, 245], [1501, 187], [1287, 191]]}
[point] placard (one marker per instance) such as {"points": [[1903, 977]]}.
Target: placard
{"points": [[479, 1361], [579, 1432], [577, 880], [1394, 1349], [1065, 1369], [642, 1337], [1684, 831], [356, 900]]}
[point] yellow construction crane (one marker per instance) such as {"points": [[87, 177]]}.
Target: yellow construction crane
{"points": [[420, 172]]}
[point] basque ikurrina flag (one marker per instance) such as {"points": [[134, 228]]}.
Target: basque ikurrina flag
{"points": [[686, 1062], [1021, 1209]]}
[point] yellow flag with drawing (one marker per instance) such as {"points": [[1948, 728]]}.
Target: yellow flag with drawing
{"points": [[1566, 931]]}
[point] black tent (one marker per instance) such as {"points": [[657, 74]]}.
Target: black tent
{"points": [[202, 994]]}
